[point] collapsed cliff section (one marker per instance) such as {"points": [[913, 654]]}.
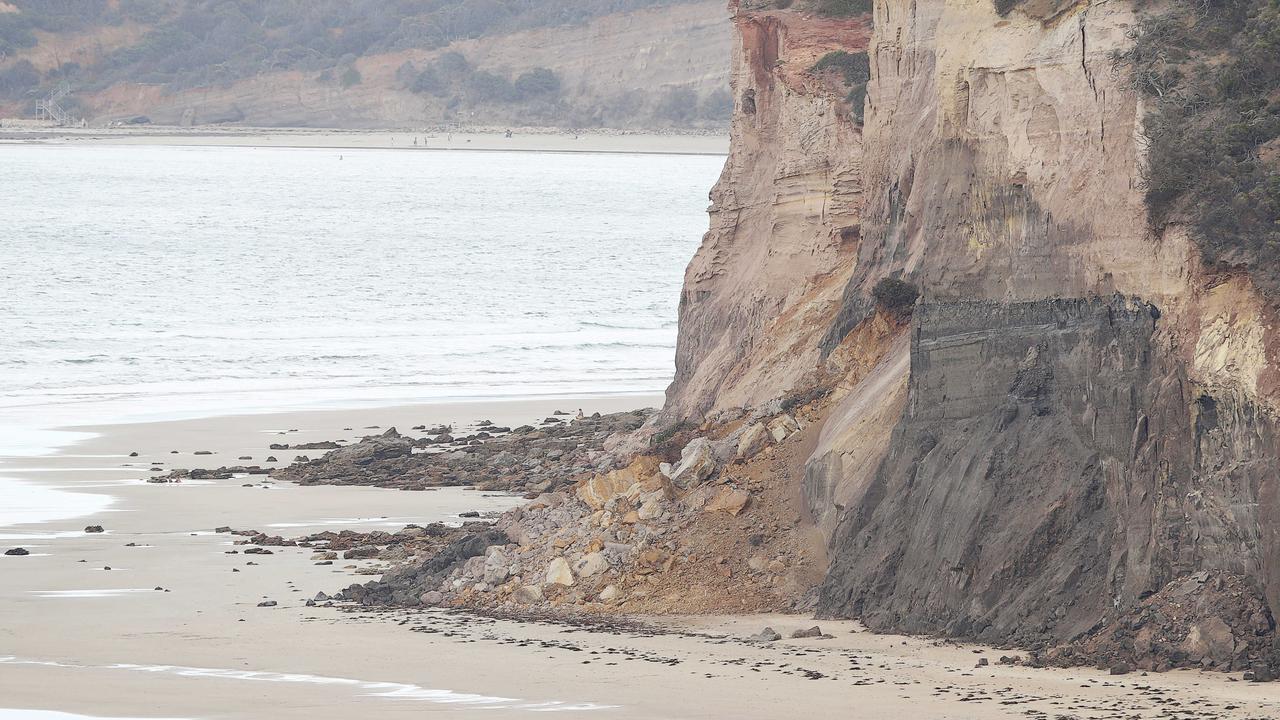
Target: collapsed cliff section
{"points": [[719, 530], [1028, 468], [1022, 462], [705, 511], [1054, 467], [1011, 406]]}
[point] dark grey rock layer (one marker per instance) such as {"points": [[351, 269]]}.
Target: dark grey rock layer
{"points": [[1053, 468]]}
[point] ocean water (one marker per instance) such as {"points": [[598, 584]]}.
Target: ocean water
{"points": [[144, 283]]}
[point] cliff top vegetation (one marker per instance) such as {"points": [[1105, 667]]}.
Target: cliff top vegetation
{"points": [[1211, 72]]}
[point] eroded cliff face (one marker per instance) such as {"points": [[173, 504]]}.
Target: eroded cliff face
{"points": [[785, 221], [1078, 420], [1053, 466]]}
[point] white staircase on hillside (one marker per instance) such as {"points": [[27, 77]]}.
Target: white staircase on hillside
{"points": [[50, 107]]}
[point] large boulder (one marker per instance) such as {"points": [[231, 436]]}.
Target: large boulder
{"points": [[783, 427], [697, 463], [497, 566], [754, 439], [528, 594], [729, 500], [591, 564], [598, 490], [559, 573]]}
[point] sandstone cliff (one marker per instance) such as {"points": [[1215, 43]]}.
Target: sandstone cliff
{"points": [[1078, 416], [785, 218]]}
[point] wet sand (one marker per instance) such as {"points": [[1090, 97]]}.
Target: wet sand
{"points": [[522, 139], [204, 649]]}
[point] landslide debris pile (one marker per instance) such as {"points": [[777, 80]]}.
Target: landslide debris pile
{"points": [[715, 530]]}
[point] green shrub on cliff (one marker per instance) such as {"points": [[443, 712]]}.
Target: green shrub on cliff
{"points": [[1210, 70], [855, 69], [842, 8]]}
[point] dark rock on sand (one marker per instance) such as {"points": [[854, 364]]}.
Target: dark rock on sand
{"points": [[404, 585], [766, 635], [326, 445], [94, 529], [363, 552], [17, 552], [221, 473], [267, 603], [521, 461]]}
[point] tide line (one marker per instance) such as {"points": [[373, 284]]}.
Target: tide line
{"points": [[390, 690]]}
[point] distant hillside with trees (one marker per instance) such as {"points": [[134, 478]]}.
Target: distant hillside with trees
{"points": [[441, 59]]}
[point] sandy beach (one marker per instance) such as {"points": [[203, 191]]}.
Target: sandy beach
{"points": [[483, 139], [174, 629]]}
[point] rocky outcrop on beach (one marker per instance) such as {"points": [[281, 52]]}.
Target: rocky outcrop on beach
{"points": [[524, 459]]}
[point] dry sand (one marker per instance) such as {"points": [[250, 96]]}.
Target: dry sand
{"points": [[523, 139], [205, 650]]}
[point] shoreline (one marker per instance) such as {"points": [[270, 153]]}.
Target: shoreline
{"points": [[537, 140], [55, 438], [76, 637], [104, 442]]}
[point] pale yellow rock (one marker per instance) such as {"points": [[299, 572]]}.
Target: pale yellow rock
{"points": [[783, 427], [598, 490], [591, 564], [610, 593], [697, 462], [1211, 639], [650, 508], [729, 500], [768, 279], [528, 594], [559, 573], [754, 439]]}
